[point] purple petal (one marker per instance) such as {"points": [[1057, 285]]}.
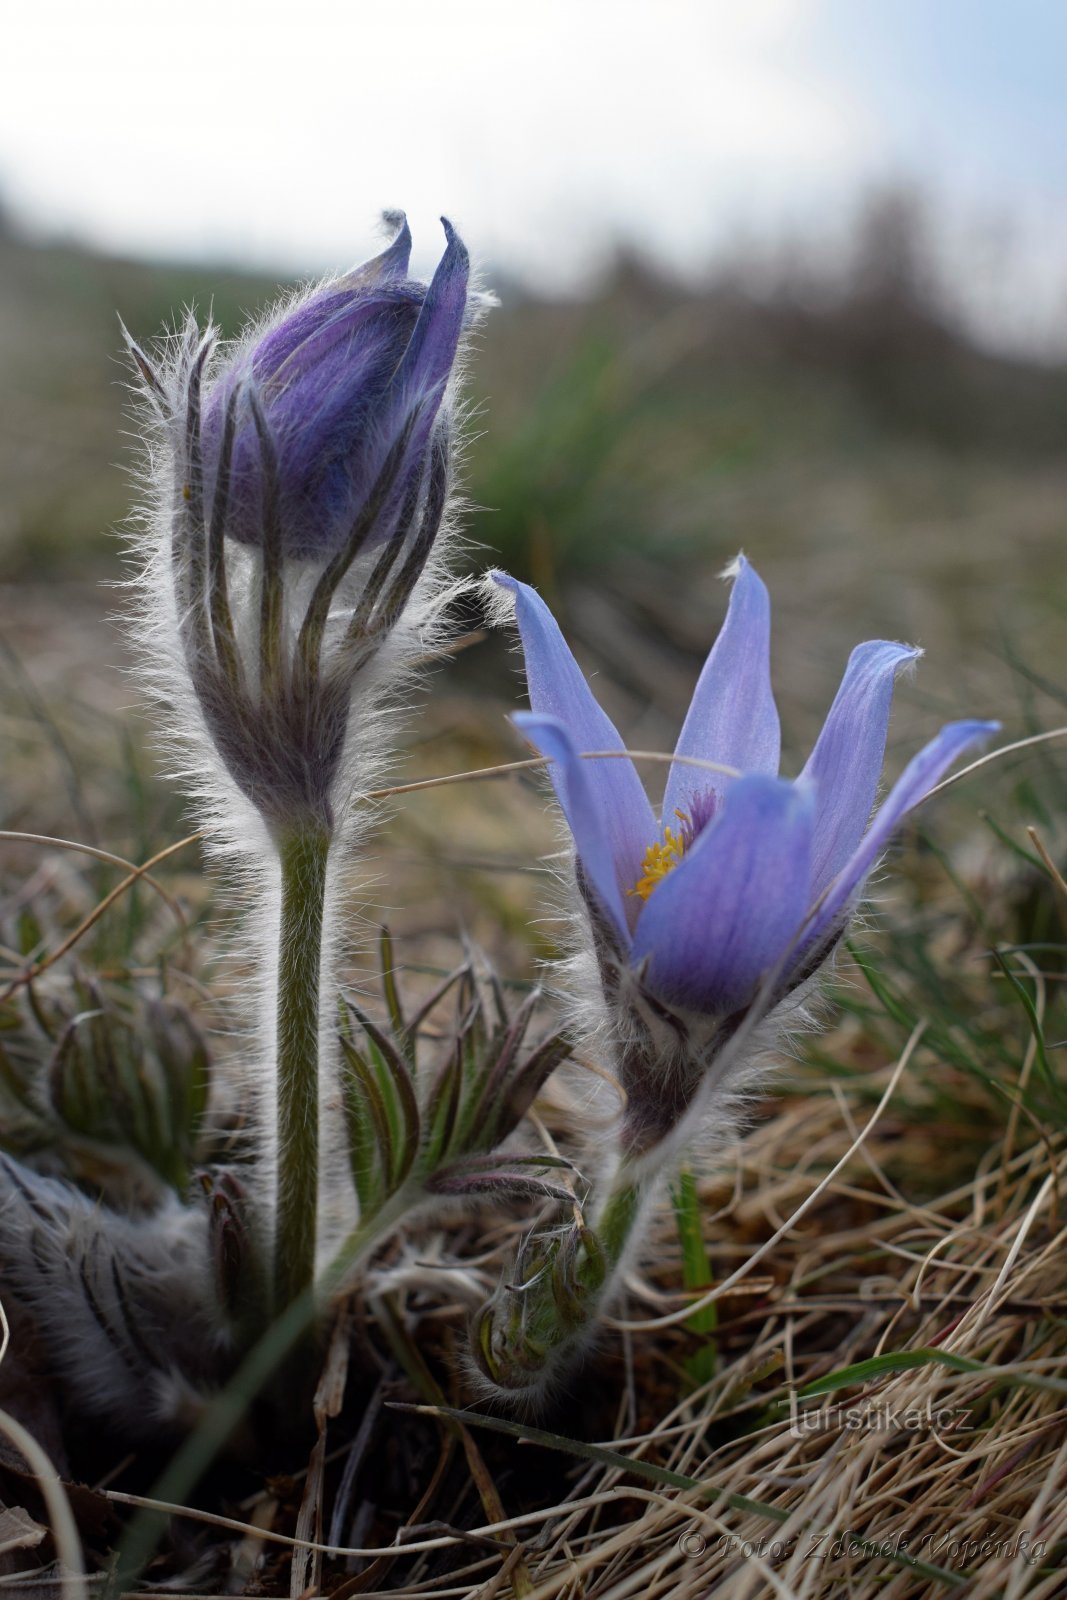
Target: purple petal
{"points": [[339, 307], [728, 912], [846, 763], [349, 357], [336, 316], [417, 386], [324, 372], [911, 788], [392, 263], [732, 718], [341, 375], [558, 689], [431, 351], [587, 808]]}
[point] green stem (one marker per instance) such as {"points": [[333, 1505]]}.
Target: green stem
{"points": [[303, 856]]}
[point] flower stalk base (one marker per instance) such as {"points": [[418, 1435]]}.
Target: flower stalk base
{"points": [[303, 856]]}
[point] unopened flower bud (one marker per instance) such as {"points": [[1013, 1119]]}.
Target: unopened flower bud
{"points": [[304, 482], [541, 1316], [353, 373]]}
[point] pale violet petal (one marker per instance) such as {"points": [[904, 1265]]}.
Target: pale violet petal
{"points": [[920, 775], [732, 718], [728, 913], [846, 763], [425, 366], [558, 689], [588, 817]]}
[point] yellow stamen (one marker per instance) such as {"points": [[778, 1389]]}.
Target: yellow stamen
{"points": [[661, 858]]}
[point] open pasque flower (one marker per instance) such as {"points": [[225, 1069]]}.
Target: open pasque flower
{"points": [[745, 883], [706, 926]]}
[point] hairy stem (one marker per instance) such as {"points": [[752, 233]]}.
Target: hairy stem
{"points": [[303, 854]]}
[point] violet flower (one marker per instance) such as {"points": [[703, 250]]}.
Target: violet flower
{"points": [[301, 484], [292, 575], [706, 928], [746, 883]]}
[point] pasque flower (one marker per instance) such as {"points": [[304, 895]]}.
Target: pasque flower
{"points": [[305, 477], [707, 926], [745, 883], [292, 572]]}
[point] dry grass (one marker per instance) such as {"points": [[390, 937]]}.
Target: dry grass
{"points": [[891, 1233], [883, 1480]]}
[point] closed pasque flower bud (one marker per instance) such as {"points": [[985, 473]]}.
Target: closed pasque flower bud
{"points": [[352, 386], [301, 481], [292, 575]]}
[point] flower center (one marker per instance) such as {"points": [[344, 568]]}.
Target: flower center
{"points": [[661, 858]]}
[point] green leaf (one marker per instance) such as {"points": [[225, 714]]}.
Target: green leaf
{"points": [[398, 1096], [427, 1006], [1035, 1025], [881, 990], [519, 1093], [392, 996], [441, 1112], [369, 1134], [697, 1276], [904, 1360], [1013, 845]]}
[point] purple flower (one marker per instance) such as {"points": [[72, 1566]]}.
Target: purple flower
{"points": [[322, 445], [747, 876], [350, 386]]}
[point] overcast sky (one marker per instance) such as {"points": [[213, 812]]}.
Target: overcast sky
{"points": [[274, 134]]}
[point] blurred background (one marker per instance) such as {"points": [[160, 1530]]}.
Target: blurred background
{"points": [[789, 276]]}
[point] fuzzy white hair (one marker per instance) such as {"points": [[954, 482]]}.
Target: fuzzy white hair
{"points": [[126, 1306], [379, 695]]}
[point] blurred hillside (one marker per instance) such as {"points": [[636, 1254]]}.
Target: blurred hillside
{"points": [[888, 475]]}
